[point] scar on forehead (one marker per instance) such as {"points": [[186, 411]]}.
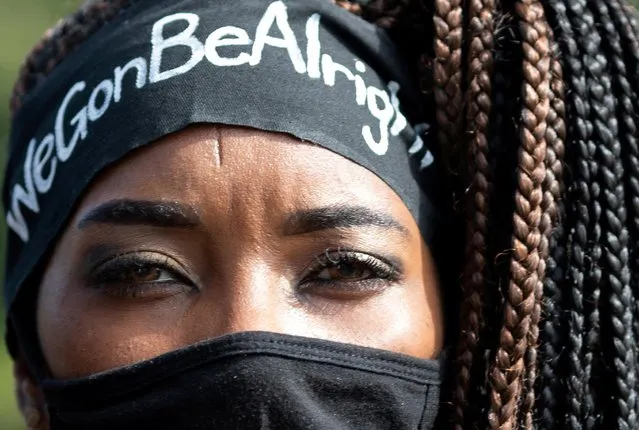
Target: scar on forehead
{"points": [[215, 148]]}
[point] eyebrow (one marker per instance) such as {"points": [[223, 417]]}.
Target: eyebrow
{"points": [[133, 212], [340, 216]]}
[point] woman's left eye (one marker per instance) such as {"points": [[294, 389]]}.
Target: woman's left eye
{"points": [[345, 271], [147, 273], [352, 271]]}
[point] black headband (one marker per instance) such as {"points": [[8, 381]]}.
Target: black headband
{"points": [[303, 67]]}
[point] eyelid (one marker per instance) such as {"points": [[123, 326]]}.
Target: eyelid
{"points": [[324, 260], [162, 260], [390, 260]]}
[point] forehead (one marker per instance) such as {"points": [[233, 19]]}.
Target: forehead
{"points": [[223, 166]]}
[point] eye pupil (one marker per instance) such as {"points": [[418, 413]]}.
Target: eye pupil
{"points": [[347, 270], [352, 268], [145, 273]]}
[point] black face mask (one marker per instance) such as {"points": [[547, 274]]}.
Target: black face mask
{"points": [[254, 381]]}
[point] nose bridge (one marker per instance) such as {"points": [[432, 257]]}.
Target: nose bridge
{"points": [[254, 300]]}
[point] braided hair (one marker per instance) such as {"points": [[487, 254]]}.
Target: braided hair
{"points": [[536, 113]]}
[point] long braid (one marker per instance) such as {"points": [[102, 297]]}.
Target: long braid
{"points": [[552, 401], [629, 106], [504, 131], [585, 276], [615, 234], [525, 289], [554, 211], [478, 119], [592, 416], [551, 188], [447, 75], [629, 157]]}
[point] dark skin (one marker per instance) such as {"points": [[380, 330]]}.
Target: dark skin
{"points": [[217, 229]]}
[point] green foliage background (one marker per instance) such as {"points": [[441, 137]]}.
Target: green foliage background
{"points": [[22, 22]]}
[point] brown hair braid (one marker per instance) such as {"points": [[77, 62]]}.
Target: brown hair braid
{"points": [[521, 309], [559, 249], [447, 74], [478, 118], [554, 213], [551, 209]]}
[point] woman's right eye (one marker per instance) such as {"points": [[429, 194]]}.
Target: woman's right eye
{"points": [[140, 276]]}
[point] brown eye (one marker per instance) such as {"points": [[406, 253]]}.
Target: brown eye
{"points": [[141, 275], [345, 271], [145, 274], [341, 266], [347, 275]]}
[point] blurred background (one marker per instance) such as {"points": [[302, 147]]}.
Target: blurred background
{"points": [[22, 23]]}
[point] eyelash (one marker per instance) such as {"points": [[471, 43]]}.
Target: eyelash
{"points": [[110, 276], [382, 271]]}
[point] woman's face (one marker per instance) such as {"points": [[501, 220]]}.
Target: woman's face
{"points": [[216, 230]]}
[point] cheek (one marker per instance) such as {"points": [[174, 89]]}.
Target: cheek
{"points": [[414, 328], [78, 337], [411, 320], [407, 319], [403, 320]]}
